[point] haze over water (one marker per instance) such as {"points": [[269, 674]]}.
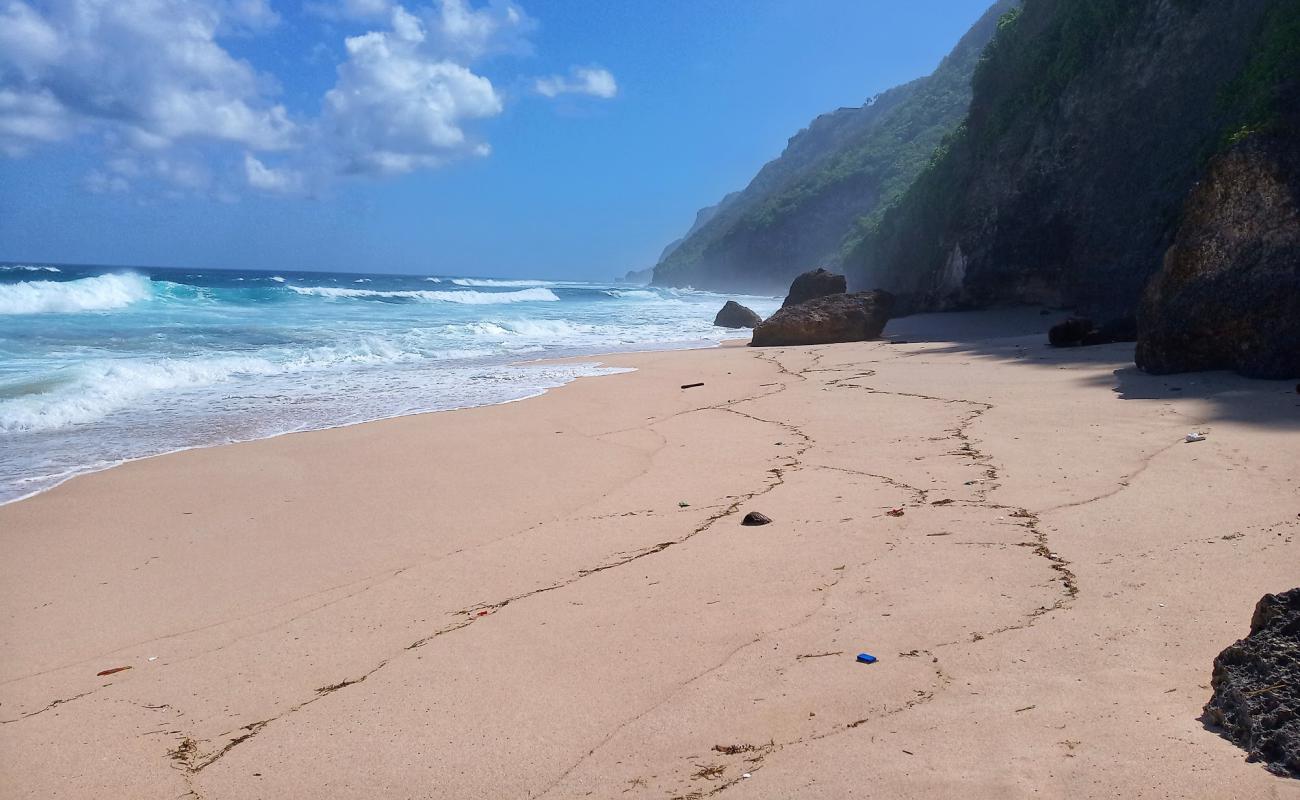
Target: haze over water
{"points": [[103, 364]]}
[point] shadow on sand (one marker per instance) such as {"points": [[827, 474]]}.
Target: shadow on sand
{"points": [[1019, 335]]}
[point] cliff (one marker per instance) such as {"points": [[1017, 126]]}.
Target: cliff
{"points": [[1228, 295], [1089, 126], [808, 207]]}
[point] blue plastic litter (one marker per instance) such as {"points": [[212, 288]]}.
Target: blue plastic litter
{"points": [[866, 658]]}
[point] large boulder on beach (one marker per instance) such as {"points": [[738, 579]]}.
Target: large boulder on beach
{"points": [[1256, 686], [855, 317], [1228, 293], [734, 315], [811, 285], [1082, 332]]}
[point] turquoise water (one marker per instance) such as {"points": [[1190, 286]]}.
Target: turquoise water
{"points": [[101, 365]]}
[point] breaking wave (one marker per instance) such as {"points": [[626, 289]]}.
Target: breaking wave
{"points": [[95, 389], [486, 282], [27, 268], [100, 293], [633, 294], [536, 295]]}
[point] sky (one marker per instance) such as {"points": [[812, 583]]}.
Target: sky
{"points": [[543, 138]]}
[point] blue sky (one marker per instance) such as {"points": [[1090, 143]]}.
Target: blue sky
{"points": [[551, 138]]}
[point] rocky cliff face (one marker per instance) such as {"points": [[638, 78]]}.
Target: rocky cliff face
{"points": [[1090, 124], [1228, 295], [808, 207]]}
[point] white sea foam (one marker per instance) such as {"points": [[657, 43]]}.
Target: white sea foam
{"points": [[100, 293], [94, 389], [277, 278], [28, 268], [98, 388], [536, 295], [633, 294], [488, 282], [362, 280], [434, 280], [550, 329]]}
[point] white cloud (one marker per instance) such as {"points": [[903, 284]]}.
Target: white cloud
{"points": [[455, 28], [153, 84], [149, 70], [253, 16], [398, 107], [31, 117], [268, 179], [594, 81]]}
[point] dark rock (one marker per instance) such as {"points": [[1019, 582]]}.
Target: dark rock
{"points": [[755, 518], [811, 285], [1123, 329], [1069, 333], [1256, 685], [1081, 332], [826, 320], [734, 315], [1228, 295], [1071, 199]]}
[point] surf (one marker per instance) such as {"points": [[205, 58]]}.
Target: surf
{"points": [[99, 293]]}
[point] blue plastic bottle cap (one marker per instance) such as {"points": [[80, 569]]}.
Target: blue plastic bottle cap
{"points": [[866, 658]]}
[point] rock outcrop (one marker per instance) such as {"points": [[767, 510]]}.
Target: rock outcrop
{"points": [[1256, 685], [1089, 125], [1228, 295], [814, 284], [1082, 332], [834, 318], [734, 315]]}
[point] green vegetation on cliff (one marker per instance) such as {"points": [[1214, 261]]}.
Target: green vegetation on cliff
{"points": [[1089, 123], [810, 206]]}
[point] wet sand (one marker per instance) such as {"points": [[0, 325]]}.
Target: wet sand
{"points": [[555, 598]]}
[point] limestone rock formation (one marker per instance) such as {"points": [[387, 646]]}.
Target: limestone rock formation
{"points": [[734, 315], [1089, 124], [1228, 295], [1256, 685], [810, 285], [855, 317]]}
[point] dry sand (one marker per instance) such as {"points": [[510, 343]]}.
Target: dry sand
{"points": [[513, 602]]}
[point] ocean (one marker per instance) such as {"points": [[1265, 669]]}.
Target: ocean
{"points": [[99, 365]]}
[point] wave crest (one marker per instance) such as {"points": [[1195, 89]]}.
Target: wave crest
{"points": [[27, 268], [100, 293], [633, 294], [488, 282], [536, 295]]}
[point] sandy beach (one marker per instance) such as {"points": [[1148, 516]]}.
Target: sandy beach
{"points": [[555, 598]]}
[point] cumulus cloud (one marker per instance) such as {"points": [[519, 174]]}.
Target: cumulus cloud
{"points": [[397, 106], [594, 81], [154, 84], [150, 70], [454, 28], [268, 179]]}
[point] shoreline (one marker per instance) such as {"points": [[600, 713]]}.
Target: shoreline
{"points": [[556, 598], [78, 472]]}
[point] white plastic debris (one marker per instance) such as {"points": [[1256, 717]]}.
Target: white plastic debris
{"points": [[153, 658], [1195, 437], [746, 775]]}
